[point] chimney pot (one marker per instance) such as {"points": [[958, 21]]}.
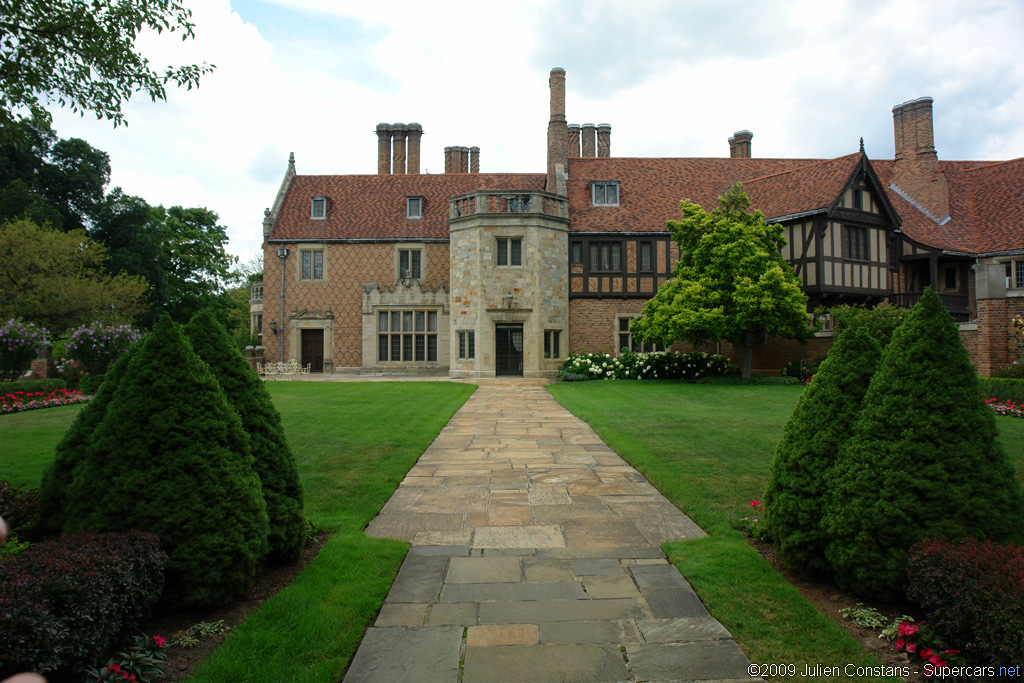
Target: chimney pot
{"points": [[474, 159], [415, 132], [739, 144], [588, 137], [398, 133], [604, 140], [449, 159], [383, 149], [463, 159], [574, 140]]}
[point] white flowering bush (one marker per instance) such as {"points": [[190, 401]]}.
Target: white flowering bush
{"points": [[654, 365], [20, 343], [96, 346]]}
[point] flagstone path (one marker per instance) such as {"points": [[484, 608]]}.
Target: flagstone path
{"points": [[535, 557]]}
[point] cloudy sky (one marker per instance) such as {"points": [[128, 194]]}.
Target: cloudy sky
{"points": [[672, 77]]}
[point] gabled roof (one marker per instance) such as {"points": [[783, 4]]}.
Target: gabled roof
{"points": [[986, 207], [373, 207], [814, 187], [650, 190]]}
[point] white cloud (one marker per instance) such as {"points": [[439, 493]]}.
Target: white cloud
{"points": [[673, 78]]}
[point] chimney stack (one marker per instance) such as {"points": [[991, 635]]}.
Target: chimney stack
{"points": [[398, 132], [558, 133], [413, 157], [588, 136], [474, 159], [574, 140], [739, 144], [915, 171], [449, 155], [383, 149], [604, 140]]}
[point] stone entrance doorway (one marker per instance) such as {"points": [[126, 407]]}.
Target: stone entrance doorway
{"points": [[508, 341], [313, 350]]}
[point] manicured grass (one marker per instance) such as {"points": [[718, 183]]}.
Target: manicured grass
{"points": [[708, 449], [28, 441], [353, 442]]}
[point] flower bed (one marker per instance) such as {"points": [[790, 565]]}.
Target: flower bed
{"points": [[655, 365], [20, 401], [1006, 407]]}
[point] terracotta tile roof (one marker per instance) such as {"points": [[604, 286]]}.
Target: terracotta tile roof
{"points": [[813, 187], [650, 190], [373, 206], [986, 200]]}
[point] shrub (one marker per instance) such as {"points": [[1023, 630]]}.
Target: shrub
{"points": [[272, 458], [91, 384], [1011, 371], [64, 603], [803, 370], [96, 346], [19, 507], [924, 460], [33, 386], [170, 457], [20, 344], [973, 592], [811, 439], [1002, 389], [71, 373], [71, 451], [880, 322], [654, 365]]}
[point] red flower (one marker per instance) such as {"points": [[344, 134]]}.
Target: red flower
{"points": [[159, 640], [911, 647], [754, 503], [926, 653]]}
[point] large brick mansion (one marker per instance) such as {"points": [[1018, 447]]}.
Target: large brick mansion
{"points": [[473, 274]]}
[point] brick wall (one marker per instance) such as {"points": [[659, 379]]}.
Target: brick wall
{"points": [[347, 267], [994, 343]]}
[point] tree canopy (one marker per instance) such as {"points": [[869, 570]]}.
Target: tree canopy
{"points": [[730, 281], [81, 54], [57, 280]]}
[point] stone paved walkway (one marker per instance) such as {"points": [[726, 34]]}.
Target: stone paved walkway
{"points": [[536, 558]]}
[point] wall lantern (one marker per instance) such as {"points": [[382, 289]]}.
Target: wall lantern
{"points": [[273, 327], [509, 300]]}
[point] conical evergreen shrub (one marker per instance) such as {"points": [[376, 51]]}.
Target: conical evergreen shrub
{"points": [[924, 460], [820, 424], [71, 451], [273, 460], [170, 457]]}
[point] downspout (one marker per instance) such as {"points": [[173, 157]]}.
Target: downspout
{"points": [[282, 253]]}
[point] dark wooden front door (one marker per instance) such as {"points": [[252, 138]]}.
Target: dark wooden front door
{"points": [[313, 350], [509, 350]]}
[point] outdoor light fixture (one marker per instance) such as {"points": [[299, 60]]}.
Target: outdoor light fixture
{"points": [[509, 300], [282, 252], [273, 327]]}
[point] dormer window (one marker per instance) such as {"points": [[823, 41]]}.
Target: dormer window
{"points": [[605, 192], [318, 209], [414, 207]]}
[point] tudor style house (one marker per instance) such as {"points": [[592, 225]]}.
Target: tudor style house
{"points": [[473, 274]]}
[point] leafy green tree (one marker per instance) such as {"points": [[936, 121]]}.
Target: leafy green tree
{"points": [[730, 281], [924, 460], [170, 457], [81, 54], [199, 266], [273, 459], [56, 280], [879, 321], [811, 440]]}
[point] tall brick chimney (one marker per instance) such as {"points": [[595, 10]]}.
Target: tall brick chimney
{"points": [[558, 132], [574, 140], [739, 144], [474, 159], [915, 171], [588, 136], [412, 159], [604, 140], [398, 132], [383, 149], [449, 154]]}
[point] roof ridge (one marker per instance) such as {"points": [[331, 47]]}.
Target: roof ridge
{"points": [[991, 164], [801, 168]]}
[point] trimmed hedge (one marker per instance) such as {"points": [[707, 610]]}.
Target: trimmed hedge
{"points": [[170, 457], [33, 386], [1002, 389], [973, 592], [19, 507], [811, 439], [64, 603], [272, 458], [924, 460]]}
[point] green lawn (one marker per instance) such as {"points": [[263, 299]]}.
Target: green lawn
{"points": [[354, 442], [708, 449]]}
